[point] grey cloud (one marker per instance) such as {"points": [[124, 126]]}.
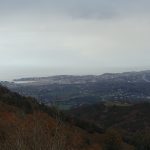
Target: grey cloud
{"points": [[99, 9], [44, 37]]}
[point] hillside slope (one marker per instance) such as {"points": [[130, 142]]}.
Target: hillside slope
{"points": [[73, 91], [130, 120], [27, 125]]}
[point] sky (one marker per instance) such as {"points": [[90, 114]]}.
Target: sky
{"points": [[78, 37]]}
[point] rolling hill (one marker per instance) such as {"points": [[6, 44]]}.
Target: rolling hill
{"points": [[26, 124], [74, 91], [132, 121]]}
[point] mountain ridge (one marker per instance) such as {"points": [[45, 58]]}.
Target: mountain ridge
{"points": [[73, 91]]}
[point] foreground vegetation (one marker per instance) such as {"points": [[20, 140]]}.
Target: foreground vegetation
{"points": [[28, 125]]}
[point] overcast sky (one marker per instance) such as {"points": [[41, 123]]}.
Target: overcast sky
{"points": [[48, 37]]}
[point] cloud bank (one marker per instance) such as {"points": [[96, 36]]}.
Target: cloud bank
{"points": [[47, 37]]}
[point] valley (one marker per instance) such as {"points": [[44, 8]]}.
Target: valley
{"points": [[68, 91]]}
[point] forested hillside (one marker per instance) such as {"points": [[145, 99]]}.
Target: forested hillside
{"points": [[27, 125], [74, 91], [131, 121]]}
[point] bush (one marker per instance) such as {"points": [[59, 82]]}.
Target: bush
{"points": [[142, 140], [112, 141]]}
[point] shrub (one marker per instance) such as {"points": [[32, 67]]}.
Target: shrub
{"points": [[112, 141]]}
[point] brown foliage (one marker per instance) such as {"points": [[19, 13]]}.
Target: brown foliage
{"points": [[112, 141]]}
